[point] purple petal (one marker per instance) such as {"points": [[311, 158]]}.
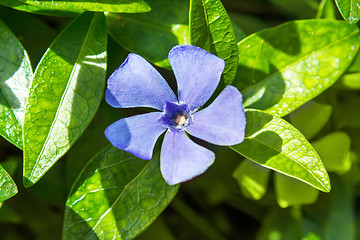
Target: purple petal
{"points": [[181, 159], [137, 84], [197, 73], [137, 134], [223, 122]]}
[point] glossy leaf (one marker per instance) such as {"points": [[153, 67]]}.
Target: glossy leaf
{"points": [[126, 6], [275, 144], [15, 79], [116, 197], [67, 89], [20, 6], [7, 185], [311, 118], [349, 9], [210, 22], [34, 40], [334, 150], [284, 67], [291, 192], [152, 35], [252, 179]]}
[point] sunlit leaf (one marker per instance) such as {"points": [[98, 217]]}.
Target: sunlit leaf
{"points": [[116, 197], [67, 89], [252, 179], [349, 9], [334, 150], [275, 144], [153, 34], [7, 185], [15, 79], [20, 6], [284, 67], [126, 6], [290, 191], [209, 22], [311, 118]]}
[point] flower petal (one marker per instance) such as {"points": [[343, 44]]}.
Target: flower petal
{"points": [[137, 84], [181, 159], [197, 73], [137, 134], [223, 122]]}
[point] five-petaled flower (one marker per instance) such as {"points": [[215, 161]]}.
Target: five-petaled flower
{"points": [[137, 84]]}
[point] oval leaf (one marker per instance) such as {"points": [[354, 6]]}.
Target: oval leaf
{"points": [[291, 192], [15, 79], [334, 150], [67, 89], [153, 34], [20, 6], [210, 22], [126, 6], [311, 118], [274, 143], [7, 185], [283, 67], [116, 197], [349, 9], [252, 179]]}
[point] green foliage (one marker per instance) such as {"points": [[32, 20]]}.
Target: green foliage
{"points": [[7, 185], [128, 6], [65, 94], [152, 34], [15, 79], [290, 191], [296, 64], [210, 23], [349, 9], [284, 67], [252, 179], [274, 143], [334, 150], [320, 114], [116, 197]]}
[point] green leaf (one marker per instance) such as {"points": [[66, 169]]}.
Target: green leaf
{"points": [[275, 144], [311, 118], [349, 9], [126, 6], [116, 197], [252, 179], [326, 10], [350, 81], [153, 34], [334, 150], [7, 185], [66, 91], [341, 222], [281, 224], [34, 40], [20, 6], [290, 191], [210, 22], [15, 79], [283, 67]]}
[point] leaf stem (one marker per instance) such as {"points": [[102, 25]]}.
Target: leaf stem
{"points": [[196, 220]]}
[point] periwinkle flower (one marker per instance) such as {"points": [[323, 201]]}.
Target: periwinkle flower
{"points": [[137, 84]]}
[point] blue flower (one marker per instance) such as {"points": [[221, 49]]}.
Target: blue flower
{"points": [[137, 84]]}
